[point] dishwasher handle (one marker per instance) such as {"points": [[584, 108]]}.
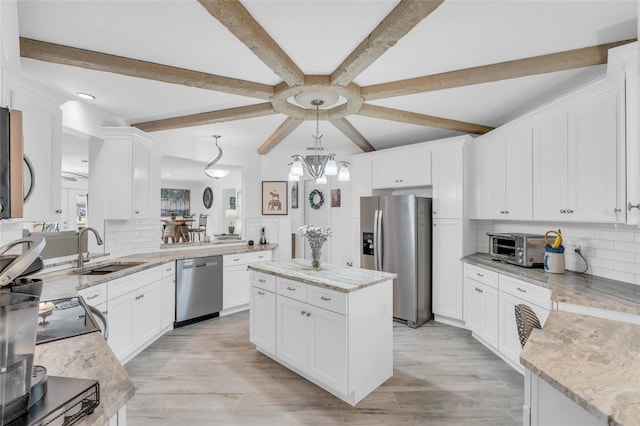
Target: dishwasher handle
{"points": [[192, 263]]}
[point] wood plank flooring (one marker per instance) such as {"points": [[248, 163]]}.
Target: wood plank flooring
{"points": [[210, 374]]}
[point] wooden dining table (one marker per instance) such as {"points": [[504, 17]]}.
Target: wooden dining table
{"points": [[177, 229]]}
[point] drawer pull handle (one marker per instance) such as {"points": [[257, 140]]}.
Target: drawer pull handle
{"points": [[479, 274], [303, 312], [262, 280], [92, 297], [261, 293], [105, 312], [291, 289], [168, 269], [522, 289], [325, 298], [633, 206], [479, 290], [308, 314], [235, 260], [260, 257]]}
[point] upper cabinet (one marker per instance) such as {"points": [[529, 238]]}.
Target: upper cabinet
{"points": [[576, 157], [42, 138], [503, 175], [124, 169], [401, 169], [448, 180]]}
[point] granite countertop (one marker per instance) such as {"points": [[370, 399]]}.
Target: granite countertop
{"points": [[570, 287], [66, 283], [339, 278], [593, 361], [89, 357]]}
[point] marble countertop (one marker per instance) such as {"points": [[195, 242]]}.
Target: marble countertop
{"points": [[339, 278], [570, 287], [89, 357], [593, 361], [66, 283]]}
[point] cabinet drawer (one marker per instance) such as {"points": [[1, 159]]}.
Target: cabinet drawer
{"points": [[94, 295], [132, 282], [293, 289], [264, 281], [328, 299], [482, 275], [246, 258], [531, 293], [261, 256], [168, 269]]}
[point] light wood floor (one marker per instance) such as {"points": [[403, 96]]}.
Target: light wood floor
{"points": [[210, 374]]}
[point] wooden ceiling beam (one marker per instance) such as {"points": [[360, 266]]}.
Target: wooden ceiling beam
{"points": [[212, 117], [349, 131], [72, 56], [233, 15], [402, 19], [384, 113], [560, 61], [288, 126]]}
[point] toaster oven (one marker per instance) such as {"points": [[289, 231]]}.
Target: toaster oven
{"points": [[519, 249]]}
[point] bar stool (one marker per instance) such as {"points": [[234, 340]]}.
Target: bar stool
{"points": [[527, 320]]}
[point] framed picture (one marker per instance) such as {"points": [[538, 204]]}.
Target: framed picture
{"points": [[335, 198], [174, 201], [274, 197], [294, 195], [207, 198]]}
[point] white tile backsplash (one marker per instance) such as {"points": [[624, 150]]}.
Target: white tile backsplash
{"points": [[127, 237], [253, 226], [611, 251]]}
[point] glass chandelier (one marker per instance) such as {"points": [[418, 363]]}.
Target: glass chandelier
{"points": [[317, 165], [216, 173]]}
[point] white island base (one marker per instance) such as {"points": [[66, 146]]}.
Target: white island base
{"points": [[334, 327]]}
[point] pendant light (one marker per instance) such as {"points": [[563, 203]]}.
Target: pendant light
{"points": [[209, 170]]}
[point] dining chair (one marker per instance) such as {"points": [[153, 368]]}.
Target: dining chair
{"points": [[202, 227], [527, 320]]}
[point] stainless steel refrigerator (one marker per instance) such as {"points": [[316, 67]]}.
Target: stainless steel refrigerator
{"points": [[396, 237]]}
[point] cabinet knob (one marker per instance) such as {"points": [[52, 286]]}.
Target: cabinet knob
{"points": [[58, 211], [308, 314], [303, 312], [435, 212], [563, 211], [136, 212], [105, 312], [633, 206], [501, 211], [569, 211], [617, 210], [261, 293], [507, 212]]}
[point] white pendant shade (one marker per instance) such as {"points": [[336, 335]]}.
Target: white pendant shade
{"points": [[331, 169], [217, 173], [321, 180], [344, 174], [296, 169]]}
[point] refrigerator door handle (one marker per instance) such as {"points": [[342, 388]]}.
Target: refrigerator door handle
{"points": [[375, 240], [380, 241]]}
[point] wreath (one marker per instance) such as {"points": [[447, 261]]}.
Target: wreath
{"points": [[312, 199]]}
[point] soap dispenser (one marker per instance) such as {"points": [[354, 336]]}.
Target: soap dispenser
{"points": [[263, 238]]}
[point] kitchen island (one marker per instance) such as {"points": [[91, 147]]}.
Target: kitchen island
{"points": [[332, 326]]}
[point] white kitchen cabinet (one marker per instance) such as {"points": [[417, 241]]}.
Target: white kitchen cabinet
{"points": [[340, 341], [236, 279], [448, 182], [506, 168], [537, 298], [481, 303], [168, 284], [42, 136], [401, 169], [127, 176], [568, 147], [121, 335], [263, 319], [447, 268]]}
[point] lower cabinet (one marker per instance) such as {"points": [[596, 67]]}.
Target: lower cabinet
{"points": [[490, 299], [481, 308], [134, 318], [447, 268], [314, 340], [168, 284], [342, 342], [236, 278], [262, 327]]}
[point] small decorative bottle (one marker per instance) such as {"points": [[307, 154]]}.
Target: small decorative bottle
{"points": [[263, 238]]}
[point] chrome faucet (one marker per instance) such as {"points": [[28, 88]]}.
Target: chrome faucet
{"points": [[83, 231]]}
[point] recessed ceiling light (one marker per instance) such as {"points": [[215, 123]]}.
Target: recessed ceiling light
{"points": [[85, 96]]}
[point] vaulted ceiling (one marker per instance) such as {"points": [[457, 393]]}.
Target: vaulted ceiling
{"points": [[405, 72]]}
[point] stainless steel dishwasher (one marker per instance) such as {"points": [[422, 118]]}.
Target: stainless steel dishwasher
{"points": [[198, 289]]}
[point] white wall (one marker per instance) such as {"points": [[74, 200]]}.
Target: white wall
{"points": [[612, 251]]}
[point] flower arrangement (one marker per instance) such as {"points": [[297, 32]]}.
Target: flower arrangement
{"points": [[316, 235]]}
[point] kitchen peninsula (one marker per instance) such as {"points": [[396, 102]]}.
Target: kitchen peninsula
{"points": [[333, 325]]}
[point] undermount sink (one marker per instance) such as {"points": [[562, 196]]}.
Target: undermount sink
{"points": [[108, 268]]}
